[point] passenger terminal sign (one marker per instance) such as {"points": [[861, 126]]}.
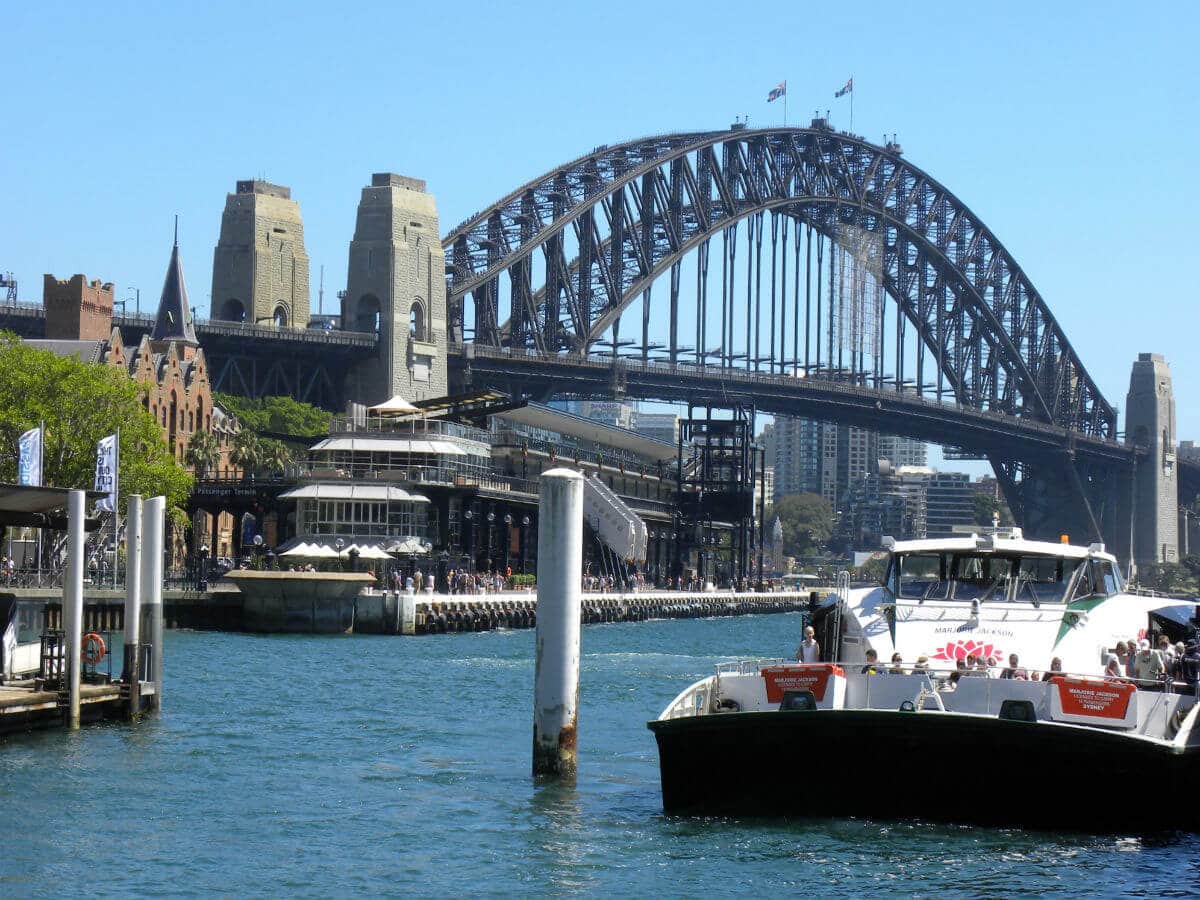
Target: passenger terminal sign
{"points": [[106, 472], [29, 463]]}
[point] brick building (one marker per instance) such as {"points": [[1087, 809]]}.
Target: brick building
{"points": [[168, 363]]}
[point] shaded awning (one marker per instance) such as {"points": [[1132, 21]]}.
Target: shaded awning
{"points": [[375, 492], [390, 445]]}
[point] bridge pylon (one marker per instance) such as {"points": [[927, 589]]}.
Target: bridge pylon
{"points": [[396, 288]]}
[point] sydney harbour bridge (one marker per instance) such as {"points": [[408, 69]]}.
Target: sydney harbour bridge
{"points": [[805, 271]]}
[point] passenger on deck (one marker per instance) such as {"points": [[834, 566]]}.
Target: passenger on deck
{"points": [[1122, 652], [1056, 669], [960, 669], [1133, 646], [1112, 668], [897, 667], [1148, 665], [1167, 649], [872, 666], [922, 665], [809, 650], [1014, 671]]}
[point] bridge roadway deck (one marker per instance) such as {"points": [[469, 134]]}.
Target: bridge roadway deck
{"points": [[905, 414]]}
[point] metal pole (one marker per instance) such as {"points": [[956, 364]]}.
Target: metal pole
{"points": [[559, 579], [153, 514], [73, 599], [133, 602]]}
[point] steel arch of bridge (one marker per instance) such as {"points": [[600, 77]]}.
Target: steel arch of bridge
{"points": [[635, 210]]}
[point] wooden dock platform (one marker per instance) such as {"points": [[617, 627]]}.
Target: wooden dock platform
{"points": [[27, 706]]}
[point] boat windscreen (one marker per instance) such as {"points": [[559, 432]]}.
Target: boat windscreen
{"points": [[978, 576]]}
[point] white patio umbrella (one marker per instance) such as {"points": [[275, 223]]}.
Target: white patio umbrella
{"points": [[396, 406], [301, 549]]}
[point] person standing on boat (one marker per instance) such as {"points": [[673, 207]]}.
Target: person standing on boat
{"points": [[809, 650], [1147, 664], [872, 666]]}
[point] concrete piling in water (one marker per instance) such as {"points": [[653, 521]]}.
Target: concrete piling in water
{"points": [[133, 602], [559, 578], [153, 516], [73, 601]]}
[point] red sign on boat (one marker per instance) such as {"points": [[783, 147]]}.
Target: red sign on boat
{"points": [[812, 677], [1099, 699]]}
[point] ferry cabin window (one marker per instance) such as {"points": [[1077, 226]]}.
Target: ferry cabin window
{"points": [[1044, 579], [921, 575]]}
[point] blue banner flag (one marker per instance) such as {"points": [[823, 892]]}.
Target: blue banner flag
{"points": [[29, 462]]}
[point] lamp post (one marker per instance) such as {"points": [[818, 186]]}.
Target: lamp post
{"points": [[508, 520], [491, 537], [338, 545], [258, 542], [524, 539], [203, 574], [469, 534]]}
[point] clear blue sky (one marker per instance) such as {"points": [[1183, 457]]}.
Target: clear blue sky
{"points": [[1071, 129]]}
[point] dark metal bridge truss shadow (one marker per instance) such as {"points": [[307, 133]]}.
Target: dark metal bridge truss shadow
{"points": [[799, 252]]}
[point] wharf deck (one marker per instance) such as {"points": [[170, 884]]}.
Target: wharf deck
{"points": [[25, 707]]}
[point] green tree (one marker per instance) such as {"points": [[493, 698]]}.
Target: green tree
{"points": [[807, 521], [274, 456], [278, 415], [985, 506], [203, 452], [247, 451], [81, 403]]}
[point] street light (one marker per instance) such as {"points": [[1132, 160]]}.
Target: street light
{"points": [[338, 545]]}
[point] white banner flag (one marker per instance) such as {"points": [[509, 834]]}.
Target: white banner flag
{"points": [[106, 472], [29, 464]]}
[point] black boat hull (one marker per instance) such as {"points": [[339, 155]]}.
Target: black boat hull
{"points": [[943, 767]]}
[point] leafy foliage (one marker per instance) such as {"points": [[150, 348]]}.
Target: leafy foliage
{"points": [[81, 403], [986, 506], [807, 521], [203, 452], [282, 415]]}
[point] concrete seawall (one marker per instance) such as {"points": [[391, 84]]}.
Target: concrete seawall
{"points": [[382, 613]]}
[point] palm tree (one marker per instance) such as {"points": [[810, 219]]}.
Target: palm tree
{"points": [[203, 452], [274, 456], [247, 451]]}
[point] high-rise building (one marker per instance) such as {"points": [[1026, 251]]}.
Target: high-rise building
{"points": [[660, 426], [903, 451], [950, 501], [260, 266]]}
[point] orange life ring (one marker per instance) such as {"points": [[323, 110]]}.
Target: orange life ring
{"points": [[93, 648]]}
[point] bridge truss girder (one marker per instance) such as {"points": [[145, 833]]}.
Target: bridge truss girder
{"points": [[631, 213]]}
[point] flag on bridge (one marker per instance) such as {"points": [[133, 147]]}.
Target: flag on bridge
{"points": [[778, 91], [847, 88]]}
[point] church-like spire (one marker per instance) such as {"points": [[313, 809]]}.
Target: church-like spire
{"points": [[174, 320]]}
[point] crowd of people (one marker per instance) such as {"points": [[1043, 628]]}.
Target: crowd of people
{"points": [[1133, 661]]}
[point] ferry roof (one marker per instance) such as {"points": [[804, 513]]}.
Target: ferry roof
{"points": [[1001, 543]]}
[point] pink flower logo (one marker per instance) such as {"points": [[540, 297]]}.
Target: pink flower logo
{"points": [[956, 650]]}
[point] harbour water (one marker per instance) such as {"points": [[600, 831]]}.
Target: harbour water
{"points": [[319, 766]]}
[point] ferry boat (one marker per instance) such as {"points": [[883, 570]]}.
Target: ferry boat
{"points": [[844, 737]]}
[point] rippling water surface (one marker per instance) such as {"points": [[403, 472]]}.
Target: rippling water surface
{"points": [[372, 765]]}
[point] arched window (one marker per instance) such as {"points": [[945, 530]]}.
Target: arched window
{"points": [[416, 320], [280, 318]]}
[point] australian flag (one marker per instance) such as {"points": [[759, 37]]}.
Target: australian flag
{"points": [[846, 89], [778, 91]]}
